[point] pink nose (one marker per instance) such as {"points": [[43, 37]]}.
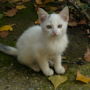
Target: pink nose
{"points": [[54, 33]]}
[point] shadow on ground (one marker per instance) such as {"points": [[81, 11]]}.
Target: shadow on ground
{"points": [[14, 76]]}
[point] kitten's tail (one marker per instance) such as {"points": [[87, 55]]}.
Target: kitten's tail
{"points": [[8, 50]]}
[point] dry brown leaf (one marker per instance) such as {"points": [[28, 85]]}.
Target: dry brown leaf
{"points": [[4, 34], [11, 12], [38, 2], [87, 55], [82, 78], [82, 22], [73, 23], [57, 80]]}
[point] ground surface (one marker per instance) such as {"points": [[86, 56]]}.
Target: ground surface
{"points": [[14, 76]]}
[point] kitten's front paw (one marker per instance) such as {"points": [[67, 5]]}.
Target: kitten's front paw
{"points": [[60, 70], [48, 72]]}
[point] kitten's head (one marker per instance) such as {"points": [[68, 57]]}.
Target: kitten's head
{"points": [[54, 24]]}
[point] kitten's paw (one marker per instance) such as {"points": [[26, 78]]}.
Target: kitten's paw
{"points": [[60, 70], [48, 72]]}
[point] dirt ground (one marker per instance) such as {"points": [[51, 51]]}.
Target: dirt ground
{"points": [[14, 76]]}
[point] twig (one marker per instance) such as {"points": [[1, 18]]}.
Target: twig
{"points": [[86, 14], [76, 6]]}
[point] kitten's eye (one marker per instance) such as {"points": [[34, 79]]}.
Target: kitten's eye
{"points": [[49, 26], [59, 26]]}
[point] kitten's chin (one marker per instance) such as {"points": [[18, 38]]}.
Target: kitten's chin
{"points": [[54, 35]]}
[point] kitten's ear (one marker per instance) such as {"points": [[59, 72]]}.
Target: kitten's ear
{"points": [[65, 13], [42, 14]]}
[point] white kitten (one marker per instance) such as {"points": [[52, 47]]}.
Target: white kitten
{"points": [[44, 42]]}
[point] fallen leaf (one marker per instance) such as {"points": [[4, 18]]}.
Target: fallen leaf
{"points": [[82, 22], [11, 12], [73, 23], [87, 55], [40, 6], [20, 7], [57, 80], [38, 1], [82, 78], [4, 34], [7, 28], [37, 21]]}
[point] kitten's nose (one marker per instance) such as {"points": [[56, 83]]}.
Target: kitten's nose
{"points": [[54, 33]]}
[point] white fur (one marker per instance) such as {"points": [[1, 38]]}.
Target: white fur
{"points": [[37, 45]]}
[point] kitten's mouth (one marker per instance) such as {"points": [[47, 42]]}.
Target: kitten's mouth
{"points": [[54, 34]]}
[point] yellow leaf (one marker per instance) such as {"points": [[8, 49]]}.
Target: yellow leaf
{"points": [[43, 2], [57, 80], [37, 21], [6, 28], [82, 78], [19, 7]]}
